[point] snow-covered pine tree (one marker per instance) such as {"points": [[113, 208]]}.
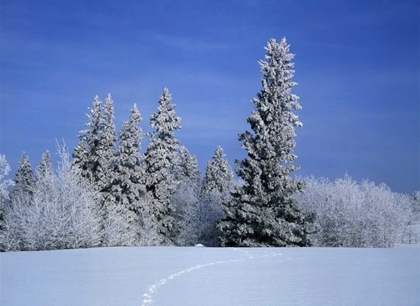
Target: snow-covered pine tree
{"points": [[129, 186], [24, 179], [95, 153], [85, 155], [262, 211], [216, 188], [186, 168], [45, 166], [218, 176], [106, 151], [45, 175], [123, 215], [159, 159]]}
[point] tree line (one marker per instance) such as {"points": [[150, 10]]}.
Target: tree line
{"points": [[112, 194]]}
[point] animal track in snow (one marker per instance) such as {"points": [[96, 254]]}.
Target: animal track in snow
{"points": [[148, 296]]}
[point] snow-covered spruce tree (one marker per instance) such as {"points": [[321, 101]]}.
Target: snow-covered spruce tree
{"points": [[262, 211], [85, 156], [129, 186], [218, 176], [45, 166], [123, 216], [216, 188], [24, 179], [114, 216], [106, 151], [45, 178], [159, 160], [186, 167], [95, 155]]}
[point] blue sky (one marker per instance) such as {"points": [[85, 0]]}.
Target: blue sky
{"points": [[357, 65]]}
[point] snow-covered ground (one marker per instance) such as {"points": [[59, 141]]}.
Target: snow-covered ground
{"points": [[211, 276]]}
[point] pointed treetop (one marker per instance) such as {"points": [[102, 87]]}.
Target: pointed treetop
{"points": [[165, 120], [187, 167], [45, 166], [24, 178], [131, 133], [94, 118], [108, 109], [135, 114], [128, 186], [219, 175]]}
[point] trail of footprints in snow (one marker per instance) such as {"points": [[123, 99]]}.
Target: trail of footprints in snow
{"points": [[148, 296]]}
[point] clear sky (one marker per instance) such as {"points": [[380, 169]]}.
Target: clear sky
{"points": [[357, 65]]}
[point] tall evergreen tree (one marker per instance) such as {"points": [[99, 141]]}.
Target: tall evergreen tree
{"points": [[45, 166], [85, 156], [129, 186], [219, 176], [159, 159], [24, 179], [106, 151], [45, 178], [262, 211], [216, 189], [186, 168], [95, 153]]}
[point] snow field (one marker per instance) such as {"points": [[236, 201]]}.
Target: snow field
{"points": [[211, 276]]}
